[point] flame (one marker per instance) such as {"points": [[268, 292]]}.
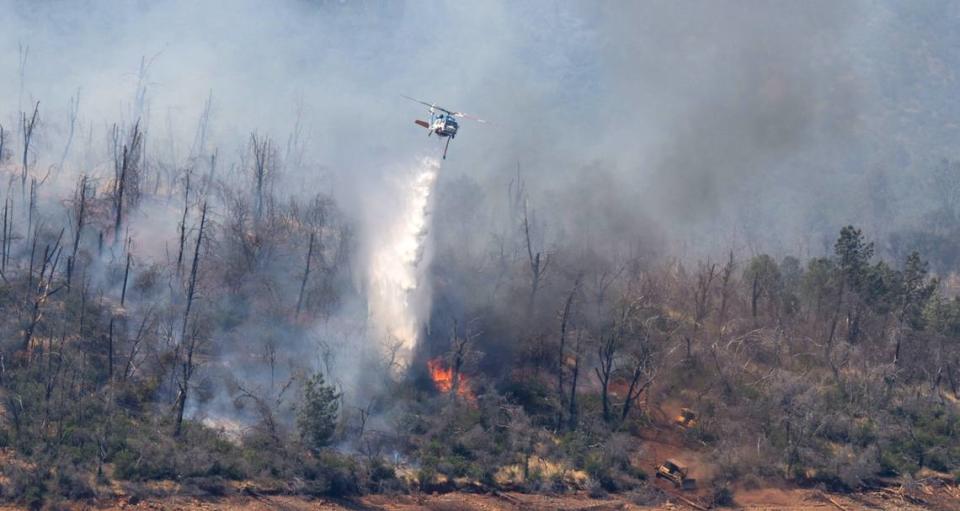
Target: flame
{"points": [[443, 380]]}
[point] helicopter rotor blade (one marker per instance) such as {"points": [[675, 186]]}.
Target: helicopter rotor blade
{"points": [[434, 106], [468, 116], [418, 101]]}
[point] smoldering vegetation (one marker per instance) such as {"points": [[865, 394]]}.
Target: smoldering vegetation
{"points": [[661, 217]]}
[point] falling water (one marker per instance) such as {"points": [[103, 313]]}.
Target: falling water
{"points": [[398, 289]]}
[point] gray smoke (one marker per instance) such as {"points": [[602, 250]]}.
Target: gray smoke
{"points": [[687, 128]]}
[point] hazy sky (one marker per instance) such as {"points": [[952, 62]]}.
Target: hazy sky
{"points": [[761, 122]]}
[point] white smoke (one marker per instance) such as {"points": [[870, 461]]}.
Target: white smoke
{"points": [[398, 291]]}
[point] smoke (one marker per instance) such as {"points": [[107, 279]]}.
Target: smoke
{"points": [[689, 111], [660, 125], [398, 288]]}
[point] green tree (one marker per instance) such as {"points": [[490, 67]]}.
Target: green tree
{"points": [[763, 276], [317, 415], [915, 290], [881, 288], [942, 315], [818, 284], [853, 255]]}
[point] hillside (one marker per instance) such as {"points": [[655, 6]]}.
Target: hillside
{"points": [[325, 254]]}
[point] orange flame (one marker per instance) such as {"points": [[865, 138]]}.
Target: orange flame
{"points": [[443, 380]]}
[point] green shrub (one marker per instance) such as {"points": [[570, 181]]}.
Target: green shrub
{"points": [[72, 484], [25, 486], [722, 496], [214, 486], [332, 475], [382, 477], [317, 415], [133, 466], [426, 474], [596, 490]]}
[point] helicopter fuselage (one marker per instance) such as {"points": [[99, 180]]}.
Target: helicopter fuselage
{"points": [[443, 125], [443, 122]]}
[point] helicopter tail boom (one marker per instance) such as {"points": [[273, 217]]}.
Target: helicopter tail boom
{"points": [[422, 123]]}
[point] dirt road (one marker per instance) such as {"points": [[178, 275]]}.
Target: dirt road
{"points": [[944, 499]]}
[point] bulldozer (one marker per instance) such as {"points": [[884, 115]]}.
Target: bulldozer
{"points": [[675, 472], [686, 419]]}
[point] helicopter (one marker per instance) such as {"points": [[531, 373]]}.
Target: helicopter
{"points": [[442, 122]]}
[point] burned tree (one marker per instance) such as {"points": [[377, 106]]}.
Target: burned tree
{"points": [[44, 289], [644, 362], [701, 303], [606, 358], [573, 411], [7, 234], [262, 150], [537, 260], [566, 320], [461, 352], [306, 274], [27, 126], [612, 340], [72, 111], [80, 210], [183, 220], [126, 169], [189, 340]]}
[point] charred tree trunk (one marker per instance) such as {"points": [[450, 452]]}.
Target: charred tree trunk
{"points": [[538, 265], [135, 347], [32, 204], [44, 289], [306, 275], [7, 228], [572, 416], [72, 111], [110, 349], [636, 388], [190, 342], [126, 276], [565, 318], [27, 125], [81, 219], [183, 222], [606, 356], [125, 168], [261, 163], [33, 257], [701, 304]]}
